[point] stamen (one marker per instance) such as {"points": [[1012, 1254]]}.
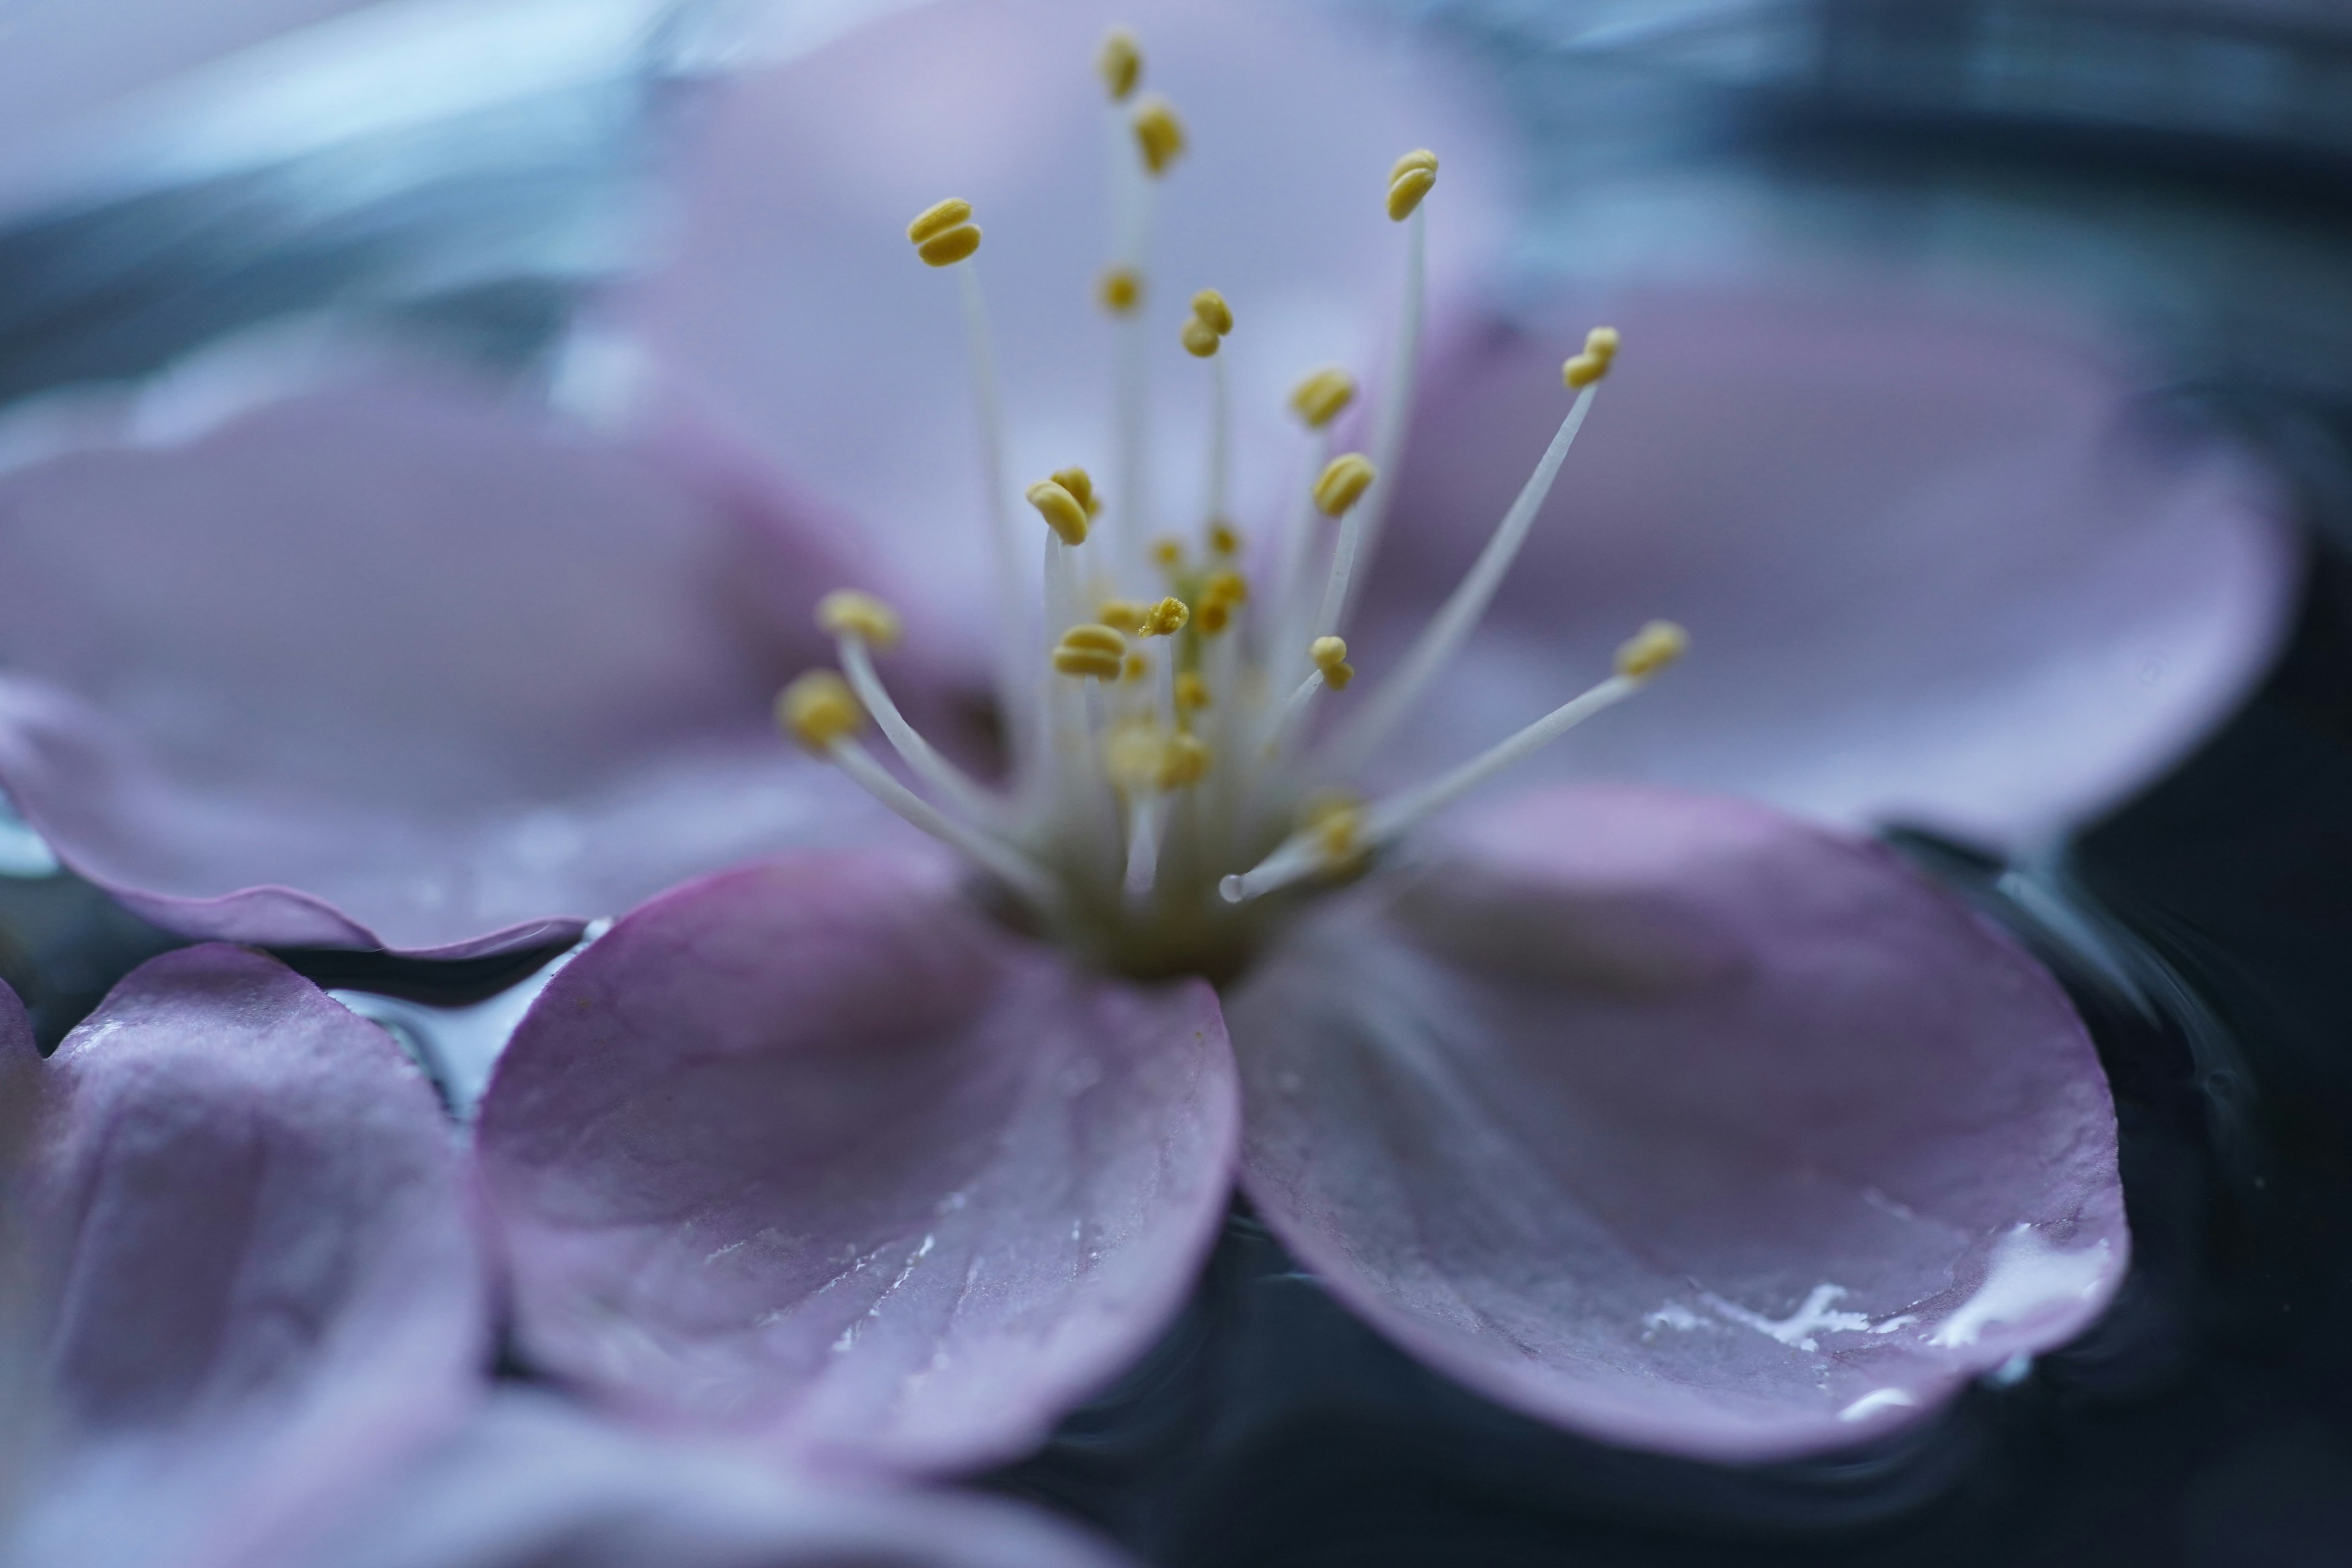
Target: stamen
{"points": [[1330, 656], [861, 623], [1226, 541], [1065, 513], [1209, 309], [1120, 290], [935, 235], [1123, 614], [1323, 396], [1336, 494], [1396, 400], [1410, 180], [1120, 63], [1191, 693], [819, 710], [1166, 618], [1330, 840], [1458, 617], [1212, 319], [1159, 135], [1092, 652], [1081, 486]]}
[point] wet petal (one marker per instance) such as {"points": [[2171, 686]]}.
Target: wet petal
{"points": [[266, 1287], [392, 665], [536, 1484], [1685, 1125], [1937, 566], [812, 1149], [795, 310]]}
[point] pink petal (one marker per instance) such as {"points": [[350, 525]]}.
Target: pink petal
{"points": [[1679, 1123], [267, 1289], [1937, 564], [393, 666], [794, 308], [812, 1149], [535, 1484]]}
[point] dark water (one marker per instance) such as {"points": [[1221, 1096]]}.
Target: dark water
{"points": [[2204, 928]]}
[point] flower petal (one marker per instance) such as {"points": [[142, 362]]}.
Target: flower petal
{"points": [[1936, 564], [794, 303], [535, 1484], [392, 665], [267, 1289], [814, 1149], [1676, 1122]]}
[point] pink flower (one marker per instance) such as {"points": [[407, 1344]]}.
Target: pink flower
{"points": [[1664, 1116], [246, 1323]]}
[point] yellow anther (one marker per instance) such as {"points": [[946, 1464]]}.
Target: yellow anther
{"points": [[1090, 650], [1198, 338], [846, 612], [1136, 667], [818, 708], [1120, 290], [1123, 614], [1166, 618], [1081, 486], [1228, 586], [1224, 539], [944, 233], [1322, 395], [937, 218], [1214, 617], [1330, 656], [1336, 821], [1584, 369], [1343, 484], [1157, 133], [1062, 512], [1168, 553], [1135, 756], [1651, 649], [1120, 63], [1209, 309], [1410, 180], [946, 249], [1183, 761], [1191, 692]]}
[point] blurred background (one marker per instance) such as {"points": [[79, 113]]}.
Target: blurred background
{"points": [[268, 174]]}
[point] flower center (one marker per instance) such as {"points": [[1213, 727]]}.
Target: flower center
{"points": [[1173, 793]]}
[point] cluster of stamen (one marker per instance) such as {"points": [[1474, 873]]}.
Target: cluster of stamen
{"points": [[1171, 786]]}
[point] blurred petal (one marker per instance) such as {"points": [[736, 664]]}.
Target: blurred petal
{"points": [[1674, 1121], [267, 1285], [794, 308], [393, 665], [814, 1149], [1937, 566], [534, 1484]]}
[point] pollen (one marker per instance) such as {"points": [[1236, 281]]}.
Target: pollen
{"points": [[1168, 553], [1094, 652], [846, 612], [1323, 396], [1225, 540], [1159, 135], [1409, 180], [1651, 649], [1120, 290], [818, 710], [1191, 692], [1330, 656], [1209, 308], [1120, 63], [944, 233], [1166, 618], [1214, 617], [1343, 484], [1600, 350], [1198, 338], [1228, 586], [1062, 512]]}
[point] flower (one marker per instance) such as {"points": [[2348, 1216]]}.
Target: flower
{"points": [[1666, 1117], [247, 1324]]}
